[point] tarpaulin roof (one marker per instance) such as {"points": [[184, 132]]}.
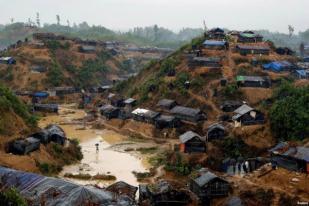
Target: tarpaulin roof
{"points": [[214, 43], [129, 101], [250, 78], [108, 108], [302, 73], [205, 178], [41, 94], [49, 106], [188, 136], [185, 111], [277, 66], [145, 113], [252, 47], [166, 102], [207, 59], [56, 191], [5, 58], [285, 149], [244, 109], [249, 35]]}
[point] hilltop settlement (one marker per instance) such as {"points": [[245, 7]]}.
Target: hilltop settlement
{"points": [[226, 117]]}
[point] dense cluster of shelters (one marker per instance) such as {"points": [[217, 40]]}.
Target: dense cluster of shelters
{"points": [[51, 133]]}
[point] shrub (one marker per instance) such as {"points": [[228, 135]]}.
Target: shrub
{"points": [[53, 45], [12, 197], [231, 90], [181, 78], [55, 76], [48, 169], [167, 66], [9, 101]]}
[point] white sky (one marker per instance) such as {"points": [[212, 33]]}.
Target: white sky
{"points": [[274, 15]]}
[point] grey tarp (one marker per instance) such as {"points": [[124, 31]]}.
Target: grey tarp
{"points": [[56, 192]]}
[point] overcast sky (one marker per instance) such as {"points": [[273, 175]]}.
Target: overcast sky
{"points": [[274, 15]]}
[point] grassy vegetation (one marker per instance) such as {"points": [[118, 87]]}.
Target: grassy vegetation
{"points": [[144, 175], [167, 66], [48, 168], [148, 150], [11, 197], [231, 91], [9, 102], [55, 75], [62, 155]]}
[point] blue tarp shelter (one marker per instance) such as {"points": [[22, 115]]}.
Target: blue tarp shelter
{"points": [[302, 74], [41, 94], [278, 66]]}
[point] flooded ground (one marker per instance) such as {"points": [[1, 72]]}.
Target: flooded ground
{"points": [[109, 159]]}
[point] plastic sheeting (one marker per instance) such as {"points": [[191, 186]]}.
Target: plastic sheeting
{"points": [[53, 192]]}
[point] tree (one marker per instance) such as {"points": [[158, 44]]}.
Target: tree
{"points": [[38, 21], [156, 30], [291, 30], [58, 19], [302, 49], [289, 114]]}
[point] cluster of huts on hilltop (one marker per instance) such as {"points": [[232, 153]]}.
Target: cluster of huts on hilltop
{"points": [[53, 36], [24, 146], [247, 43]]}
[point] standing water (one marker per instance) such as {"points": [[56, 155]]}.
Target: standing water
{"points": [[99, 157]]}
